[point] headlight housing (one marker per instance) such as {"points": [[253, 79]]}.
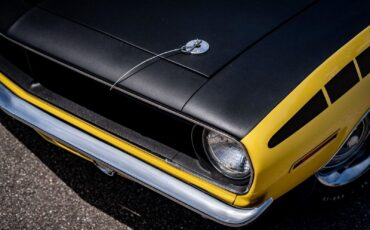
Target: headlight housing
{"points": [[228, 156]]}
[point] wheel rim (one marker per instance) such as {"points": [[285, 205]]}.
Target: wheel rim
{"points": [[352, 160]]}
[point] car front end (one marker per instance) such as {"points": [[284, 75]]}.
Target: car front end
{"points": [[191, 145]]}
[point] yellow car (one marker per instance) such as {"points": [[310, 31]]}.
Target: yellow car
{"points": [[221, 106]]}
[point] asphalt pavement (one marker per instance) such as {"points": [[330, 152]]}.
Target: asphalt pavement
{"points": [[45, 187]]}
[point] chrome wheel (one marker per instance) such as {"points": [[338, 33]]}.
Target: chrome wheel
{"points": [[352, 160]]}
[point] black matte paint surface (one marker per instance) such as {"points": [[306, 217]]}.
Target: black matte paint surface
{"points": [[238, 95], [11, 10], [342, 82], [157, 26], [363, 61], [106, 58], [237, 98], [309, 111]]}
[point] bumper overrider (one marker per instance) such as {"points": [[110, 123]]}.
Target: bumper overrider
{"points": [[125, 164]]}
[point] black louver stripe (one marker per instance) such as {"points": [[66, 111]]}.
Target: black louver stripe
{"points": [[363, 61], [342, 82], [336, 87], [309, 111]]}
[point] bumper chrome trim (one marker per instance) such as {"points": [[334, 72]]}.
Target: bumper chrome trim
{"points": [[127, 165]]}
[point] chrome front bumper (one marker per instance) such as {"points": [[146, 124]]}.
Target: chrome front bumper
{"points": [[127, 165]]}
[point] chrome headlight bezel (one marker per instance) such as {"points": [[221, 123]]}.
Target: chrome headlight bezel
{"points": [[219, 165]]}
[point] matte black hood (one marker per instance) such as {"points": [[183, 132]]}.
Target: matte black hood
{"points": [[156, 26], [239, 96], [259, 50]]}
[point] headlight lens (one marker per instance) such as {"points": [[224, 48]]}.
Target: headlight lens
{"points": [[227, 155]]}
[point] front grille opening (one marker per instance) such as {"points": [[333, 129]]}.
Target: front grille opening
{"points": [[133, 114], [115, 106], [161, 130]]}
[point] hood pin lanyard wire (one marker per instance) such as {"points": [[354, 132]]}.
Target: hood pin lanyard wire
{"points": [[195, 46]]}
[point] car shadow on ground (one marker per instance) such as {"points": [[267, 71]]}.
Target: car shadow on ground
{"points": [[139, 207]]}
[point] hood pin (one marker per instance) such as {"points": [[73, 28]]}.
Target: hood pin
{"points": [[196, 47], [193, 47]]}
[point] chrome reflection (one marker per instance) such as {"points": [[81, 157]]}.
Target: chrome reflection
{"points": [[353, 158], [127, 165]]}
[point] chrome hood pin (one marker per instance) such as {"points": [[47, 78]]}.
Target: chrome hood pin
{"points": [[193, 47], [196, 47]]}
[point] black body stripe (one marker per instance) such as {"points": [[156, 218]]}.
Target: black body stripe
{"points": [[309, 111], [363, 61], [342, 82]]}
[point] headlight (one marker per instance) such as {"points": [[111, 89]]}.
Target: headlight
{"points": [[227, 155]]}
